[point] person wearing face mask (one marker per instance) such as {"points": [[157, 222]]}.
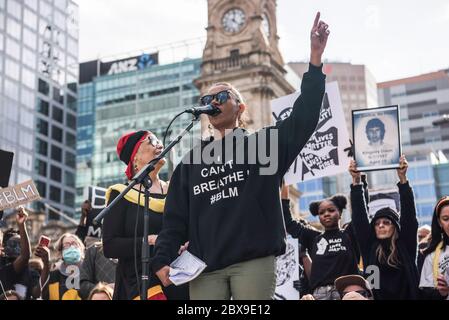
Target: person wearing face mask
{"points": [[64, 280], [123, 226], [388, 242], [14, 272], [434, 282]]}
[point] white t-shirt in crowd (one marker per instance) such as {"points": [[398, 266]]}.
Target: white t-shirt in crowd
{"points": [[427, 280]]}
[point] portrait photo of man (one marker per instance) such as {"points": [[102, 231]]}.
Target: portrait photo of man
{"points": [[376, 138]]}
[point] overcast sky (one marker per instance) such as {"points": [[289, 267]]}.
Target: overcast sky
{"points": [[395, 39]]}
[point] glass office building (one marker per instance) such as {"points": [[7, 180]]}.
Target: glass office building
{"points": [[38, 94], [119, 101]]}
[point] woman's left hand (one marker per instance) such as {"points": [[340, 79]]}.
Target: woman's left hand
{"points": [[402, 171], [183, 247]]}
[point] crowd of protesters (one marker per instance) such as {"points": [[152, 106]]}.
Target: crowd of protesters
{"points": [[239, 239], [385, 258]]}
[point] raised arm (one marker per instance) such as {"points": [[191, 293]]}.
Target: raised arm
{"points": [[360, 222], [21, 261], [81, 230], [408, 221], [297, 129], [296, 229]]}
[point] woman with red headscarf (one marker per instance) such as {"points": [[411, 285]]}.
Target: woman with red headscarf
{"points": [[123, 226]]}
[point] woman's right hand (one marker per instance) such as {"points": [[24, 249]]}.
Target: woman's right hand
{"points": [[152, 239], [356, 175], [163, 274], [443, 286]]}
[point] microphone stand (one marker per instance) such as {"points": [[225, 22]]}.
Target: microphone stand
{"points": [[143, 177]]}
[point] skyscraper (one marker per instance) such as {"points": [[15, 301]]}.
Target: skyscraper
{"points": [[38, 94]]}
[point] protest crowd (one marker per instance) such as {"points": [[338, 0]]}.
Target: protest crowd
{"points": [[384, 258]]}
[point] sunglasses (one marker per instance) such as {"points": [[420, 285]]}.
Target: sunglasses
{"points": [[363, 293], [385, 222], [221, 97]]}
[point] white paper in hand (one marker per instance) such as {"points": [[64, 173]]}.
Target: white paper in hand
{"points": [[185, 268]]}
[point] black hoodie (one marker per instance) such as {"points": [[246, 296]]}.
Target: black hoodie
{"points": [[229, 212], [395, 283]]}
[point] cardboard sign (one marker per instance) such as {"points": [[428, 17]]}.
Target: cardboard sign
{"points": [[287, 271], [324, 154], [97, 198], [379, 199], [18, 195]]}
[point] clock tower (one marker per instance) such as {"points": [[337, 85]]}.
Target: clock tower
{"points": [[242, 49]]}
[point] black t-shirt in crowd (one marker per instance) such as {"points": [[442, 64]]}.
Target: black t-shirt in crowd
{"points": [[332, 256], [393, 283], [8, 276], [21, 283]]}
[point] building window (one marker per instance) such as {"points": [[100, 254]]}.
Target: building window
{"points": [[29, 38], [55, 173], [28, 78], [56, 133], [12, 69], [69, 199], [43, 87], [42, 106], [42, 127], [71, 102], [42, 147], [55, 194], [30, 19], [13, 30], [70, 160], [235, 54], [56, 153], [69, 179], [71, 121], [41, 188], [58, 114], [41, 168], [70, 140], [58, 95], [14, 9]]}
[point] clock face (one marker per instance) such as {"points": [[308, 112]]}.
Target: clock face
{"points": [[233, 20], [266, 25]]}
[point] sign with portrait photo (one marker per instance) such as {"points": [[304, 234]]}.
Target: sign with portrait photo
{"points": [[377, 138]]}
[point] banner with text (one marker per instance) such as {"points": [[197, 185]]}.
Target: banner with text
{"points": [[324, 154], [15, 196]]}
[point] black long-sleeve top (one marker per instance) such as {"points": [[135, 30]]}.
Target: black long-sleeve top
{"points": [[119, 242], [230, 210], [334, 253], [395, 283]]}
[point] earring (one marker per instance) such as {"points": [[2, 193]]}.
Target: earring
{"points": [[211, 130]]}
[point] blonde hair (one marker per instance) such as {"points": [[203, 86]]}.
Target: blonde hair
{"points": [[393, 258], [242, 119], [101, 287]]}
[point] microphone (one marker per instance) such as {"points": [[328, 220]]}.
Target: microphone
{"points": [[208, 109]]}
